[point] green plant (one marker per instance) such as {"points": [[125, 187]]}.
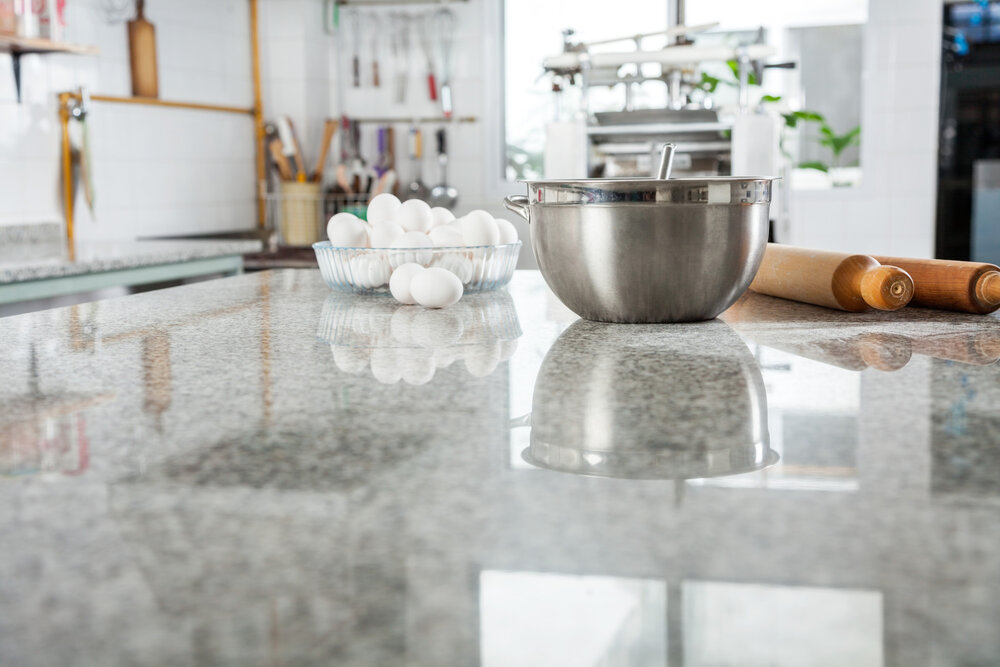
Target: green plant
{"points": [[837, 143]]}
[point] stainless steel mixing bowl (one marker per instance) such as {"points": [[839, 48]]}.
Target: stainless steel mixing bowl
{"points": [[647, 249]]}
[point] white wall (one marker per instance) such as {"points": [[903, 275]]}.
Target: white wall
{"points": [[162, 171], [893, 212], [156, 170]]}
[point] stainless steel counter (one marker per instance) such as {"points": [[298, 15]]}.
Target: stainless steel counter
{"points": [[257, 471]]}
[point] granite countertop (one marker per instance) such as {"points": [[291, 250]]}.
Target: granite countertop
{"points": [[41, 255], [255, 470]]}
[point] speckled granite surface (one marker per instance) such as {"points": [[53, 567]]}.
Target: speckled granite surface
{"points": [[254, 471], [34, 258]]}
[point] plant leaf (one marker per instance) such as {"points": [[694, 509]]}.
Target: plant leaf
{"points": [[771, 98], [735, 68], [819, 166], [708, 82], [810, 115]]}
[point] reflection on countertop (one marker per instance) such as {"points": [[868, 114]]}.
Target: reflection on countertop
{"points": [[247, 500], [25, 257], [624, 401], [410, 343], [857, 341]]}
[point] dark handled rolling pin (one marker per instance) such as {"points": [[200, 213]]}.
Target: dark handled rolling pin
{"points": [[969, 287], [836, 280]]}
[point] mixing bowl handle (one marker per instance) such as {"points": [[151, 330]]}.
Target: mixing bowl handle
{"points": [[518, 204]]}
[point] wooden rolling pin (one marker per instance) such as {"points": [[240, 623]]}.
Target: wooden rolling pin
{"points": [[969, 287], [836, 280]]}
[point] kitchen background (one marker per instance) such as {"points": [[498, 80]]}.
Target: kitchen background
{"points": [[164, 171]]}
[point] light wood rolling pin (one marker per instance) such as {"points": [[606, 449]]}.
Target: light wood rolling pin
{"points": [[853, 283], [969, 287]]}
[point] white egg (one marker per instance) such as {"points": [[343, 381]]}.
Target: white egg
{"points": [[480, 360], [385, 365], [436, 288], [384, 233], [437, 328], [507, 349], [347, 231], [382, 208], [417, 366], [353, 360], [508, 232], [369, 271], [446, 236], [479, 228], [457, 264], [415, 247], [403, 325], [441, 216], [414, 216], [399, 282]]}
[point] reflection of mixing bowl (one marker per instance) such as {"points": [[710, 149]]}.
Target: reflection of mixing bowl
{"points": [[643, 401], [410, 343]]}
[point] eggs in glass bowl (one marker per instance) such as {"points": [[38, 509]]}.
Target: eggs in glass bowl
{"points": [[362, 256]]}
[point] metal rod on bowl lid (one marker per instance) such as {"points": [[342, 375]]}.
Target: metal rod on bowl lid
{"points": [[666, 162]]}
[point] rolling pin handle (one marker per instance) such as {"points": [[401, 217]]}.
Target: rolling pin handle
{"points": [[988, 288], [886, 287]]}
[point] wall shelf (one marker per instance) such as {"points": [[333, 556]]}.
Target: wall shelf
{"points": [[157, 102], [19, 46]]}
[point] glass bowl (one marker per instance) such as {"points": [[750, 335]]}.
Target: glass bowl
{"points": [[367, 270]]}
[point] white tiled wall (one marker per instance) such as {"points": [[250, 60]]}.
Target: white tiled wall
{"points": [[156, 170], [893, 212]]}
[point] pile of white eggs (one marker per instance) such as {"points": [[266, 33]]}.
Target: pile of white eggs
{"points": [[410, 231]]}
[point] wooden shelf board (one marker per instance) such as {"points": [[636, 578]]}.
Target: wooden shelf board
{"points": [[157, 102], [21, 45]]}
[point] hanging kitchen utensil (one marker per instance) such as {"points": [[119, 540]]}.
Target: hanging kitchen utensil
{"points": [[374, 26], [416, 189], [329, 129], [356, 48], [443, 194], [142, 54], [425, 29], [400, 23], [290, 146], [444, 29], [382, 161]]}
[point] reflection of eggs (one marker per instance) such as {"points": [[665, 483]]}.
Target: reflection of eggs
{"points": [[417, 366], [353, 360], [436, 328], [402, 326], [482, 359], [385, 365]]}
